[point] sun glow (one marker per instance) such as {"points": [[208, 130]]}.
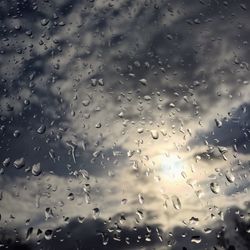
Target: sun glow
{"points": [[172, 167]]}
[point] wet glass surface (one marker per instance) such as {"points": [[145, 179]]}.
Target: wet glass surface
{"points": [[124, 124]]}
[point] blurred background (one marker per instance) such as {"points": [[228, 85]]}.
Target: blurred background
{"points": [[124, 124]]}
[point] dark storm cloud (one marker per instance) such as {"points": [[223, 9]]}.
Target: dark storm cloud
{"points": [[176, 52], [173, 49]]}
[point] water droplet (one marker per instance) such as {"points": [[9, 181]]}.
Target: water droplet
{"points": [[122, 219], [98, 125], [85, 103], [36, 169], [48, 213], [222, 150], [48, 234], [140, 130], [84, 173], [199, 193], [44, 22], [143, 81], [100, 82], [16, 133], [121, 114], [207, 230], [230, 177], [71, 196], [19, 163], [196, 239], [26, 102], [124, 201], [243, 6], [147, 98], [41, 129], [154, 134], [176, 202], [28, 233], [218, 123], [140, 198], [96, 212], [6, 162], [215, 187], [87, 198], [140, 214], [81, 219], [193, 220]]}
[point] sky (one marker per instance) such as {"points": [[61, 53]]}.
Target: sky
{"points": [[124, 124]]}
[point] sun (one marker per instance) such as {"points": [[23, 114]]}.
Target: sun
{"points": [[171, 167]]}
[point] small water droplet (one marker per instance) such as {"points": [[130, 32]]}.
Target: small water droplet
{"points": [[147, 98], [87, 198], [176, 202], [140, 198], [215, 187], [196, 239], [123, 201], [6, 162], [48, 234], [85, 103], [81, 219], [154, 134], [140, 214], [48, 213], [218, 123], [143, 81], [207, 230], [122, 219], [140, 130], [44, 22], [41, 129], [96, 212], [230, 177], [71, 196], [19, 163], [98, 125], [16, 133], [28, 233], [36, 169]]}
